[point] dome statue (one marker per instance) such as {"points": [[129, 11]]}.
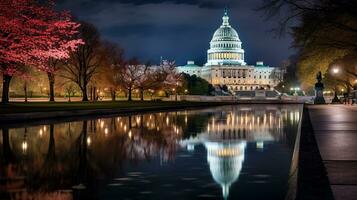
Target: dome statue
{"points": [[225, 46]]}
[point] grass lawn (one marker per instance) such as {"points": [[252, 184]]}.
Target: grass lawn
{"points": [[118, 105]]}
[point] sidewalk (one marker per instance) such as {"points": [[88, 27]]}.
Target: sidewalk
{"points": [[335, 128]]}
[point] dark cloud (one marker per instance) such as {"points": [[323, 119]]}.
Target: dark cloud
{"points": [[179, 29], [200, 3]]}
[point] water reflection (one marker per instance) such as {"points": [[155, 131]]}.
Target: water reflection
{"points": [[68, 160], [228, 132]]}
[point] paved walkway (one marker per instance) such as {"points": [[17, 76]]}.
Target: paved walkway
{"points": [[335, 128]]}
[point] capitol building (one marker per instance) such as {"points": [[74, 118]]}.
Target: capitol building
{"points": [[226, 66]]}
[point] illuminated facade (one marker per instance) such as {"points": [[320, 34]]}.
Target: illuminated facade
{"points": [[226, 66]]}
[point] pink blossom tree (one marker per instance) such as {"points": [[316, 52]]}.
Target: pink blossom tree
{"points": [[31, 33]]}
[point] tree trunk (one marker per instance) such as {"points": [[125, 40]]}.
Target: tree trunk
{"points": [[82, 160], [141, 94], [130, 124], [25, 91], [84, 93], [51, 151], [8, 155], [51, 81], [129, 95], [91, 93], [5, 88], [94, 93], [112, 92]]}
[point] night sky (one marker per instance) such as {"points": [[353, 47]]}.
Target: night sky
{"points": [[180, 30]]}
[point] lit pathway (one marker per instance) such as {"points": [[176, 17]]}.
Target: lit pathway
{"points": [[335, 128]]}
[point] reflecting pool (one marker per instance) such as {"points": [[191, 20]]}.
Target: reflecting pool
{"points": [[228, 152]]}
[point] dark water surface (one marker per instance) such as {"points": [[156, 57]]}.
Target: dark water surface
{"points": [[232, 152]]}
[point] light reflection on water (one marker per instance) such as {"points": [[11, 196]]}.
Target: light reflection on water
{"points": [[209, 153]]}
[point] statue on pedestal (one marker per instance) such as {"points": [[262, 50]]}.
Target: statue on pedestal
{"points": [[319, 90]]}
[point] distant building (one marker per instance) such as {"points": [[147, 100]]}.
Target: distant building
{"points": [[226, 66]]}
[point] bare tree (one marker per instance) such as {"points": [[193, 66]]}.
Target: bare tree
{"points": [[169, 75], [84, 63], [70, 90], [128, 76], [326, 23], [145, 79], [114, 62]]}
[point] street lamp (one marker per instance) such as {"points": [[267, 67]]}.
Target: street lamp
{"points": [[295, 89], [335, 99], [335, 70]]}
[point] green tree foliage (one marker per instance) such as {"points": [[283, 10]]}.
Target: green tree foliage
{"points": [[195, 85]]}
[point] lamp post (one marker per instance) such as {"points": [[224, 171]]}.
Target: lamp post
{"points": [[335, 99]]}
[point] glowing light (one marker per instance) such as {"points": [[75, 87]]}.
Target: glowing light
{"points": [[130, 134], [24, 146], [335, 70], [106, 131], [227, 152], [40, 133], [125, 128], [260, 145], [190, 147], [167, 120], [101, 124], [89, 141], [44, 128]]}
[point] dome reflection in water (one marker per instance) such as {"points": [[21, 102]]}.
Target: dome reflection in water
{"points": [[224, 152]]}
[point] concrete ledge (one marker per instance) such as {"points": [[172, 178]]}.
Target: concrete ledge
{"points": [[294, 168], [313, 182]]}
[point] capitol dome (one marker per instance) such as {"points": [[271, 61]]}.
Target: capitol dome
{"points": [[225, 46], [225, 161]]}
